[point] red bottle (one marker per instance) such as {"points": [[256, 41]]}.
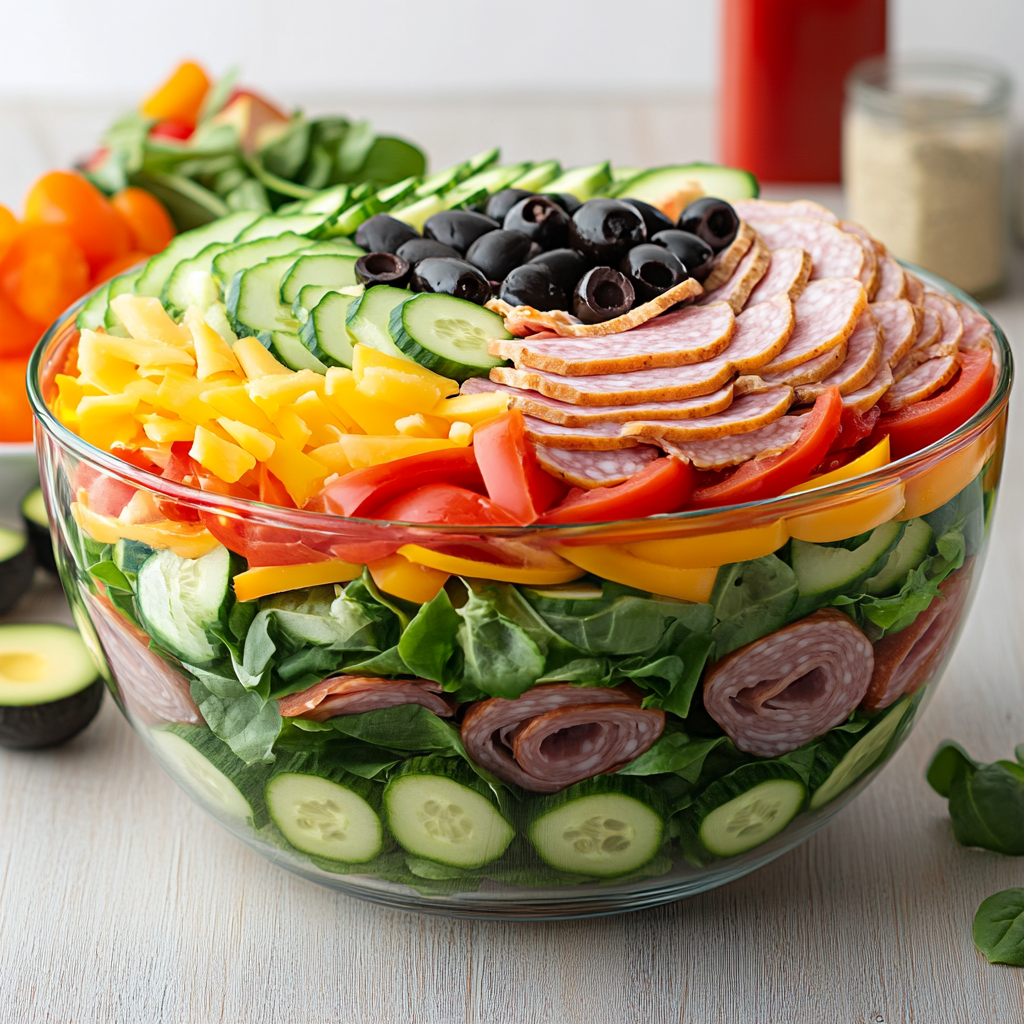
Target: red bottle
{"points": [[783, 67]]}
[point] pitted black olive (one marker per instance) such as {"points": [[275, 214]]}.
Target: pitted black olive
{"points": [[694, 253], [382, 233], [651, 270], [417, 249], [501, 202], [542, 219], [498, 252], [712, 219], [602, 294], [566, 200], [451, 277], [532, 285], [382, 268], [604, 230], [458, 228], [567, 266], [654, 219]]}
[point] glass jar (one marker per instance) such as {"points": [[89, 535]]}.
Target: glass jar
{"points": [[925, 152]]}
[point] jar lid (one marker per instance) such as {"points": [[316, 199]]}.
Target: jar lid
{"points": [[925, 89]]}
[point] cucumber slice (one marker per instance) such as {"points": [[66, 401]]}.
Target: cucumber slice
{"points": [[129, 556], [624, 173], [722, 182], [482, 160], [272, 225], [492, 180], [288, 348], [325, 812], [439, 182], [249, 254], [843, 758], [823, 572], [914, 545], [370, 315], [181, 599], [605, 826], [328, 202], [178, 292], [438, 809], [747, 807], [538, 176], [582, 182], [324, 334], [90, 316], [253, 299], [124, 284], [334, 271], [208, 770], [311, 294], [160, 267], [447, 335]]}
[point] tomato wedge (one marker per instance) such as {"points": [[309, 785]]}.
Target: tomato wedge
{"points": [[767, 478], [445, 504], [511, 472], [923, 423], [664, 485]]}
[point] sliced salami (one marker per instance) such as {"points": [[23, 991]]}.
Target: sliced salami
{"points": [[978, 331], [930, 333], [914, 287], [762, 332], [751, 412], [952, 327], [863, 359], [588, 469], [869, 275], [812, 371], [787, 274], [901, 324], [558, 734], [891, 282], [596, 437], [767, 209], [921, 382], [729, 258], [868, 396], [690, 335], [737, 289], [352, 695], [731, 451], [791, 686], [834, 252]]}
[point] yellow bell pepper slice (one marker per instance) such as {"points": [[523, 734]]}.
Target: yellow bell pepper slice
{"points": [[549, 569], [933, 487], [851, 518], [709, 550], [213, 353], [615, 563], [256, 361], [276, 579], [145, 319], [187, 540], [871, 460], [363, 450], [408, 580]]}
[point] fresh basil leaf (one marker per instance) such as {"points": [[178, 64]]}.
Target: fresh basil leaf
{"points": [[430, 639], [750, 600], [999, 928]]}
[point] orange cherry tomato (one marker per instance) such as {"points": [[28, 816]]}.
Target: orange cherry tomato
{"points": [[8, 229], [15, 412], [148, 222], [18, 334], [119, 265], [43, 272], [180, 97], [69, 200]]}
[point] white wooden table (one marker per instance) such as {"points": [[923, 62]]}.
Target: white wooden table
{"points": [[121, 901]]}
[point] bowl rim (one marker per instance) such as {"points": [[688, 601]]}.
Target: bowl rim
{"points": [[722, 517]]}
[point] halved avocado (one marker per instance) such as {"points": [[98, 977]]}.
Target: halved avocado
{"points": [[49, 687], [17, 562], [37, 523]]}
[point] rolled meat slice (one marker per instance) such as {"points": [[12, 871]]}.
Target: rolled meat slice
{"points": [[901, 324], [595, 437], [811, 372], [690, 335], [729, 258], [920, 383], [869, 395], [791, 686], [768, 209], [834, 252], [905, 660], [352, 695], [589, 469], [787, 274], [747, 274], [891, 282], [869, 275], [978, 331], [862, 362], [558, 734], [736, 448]]}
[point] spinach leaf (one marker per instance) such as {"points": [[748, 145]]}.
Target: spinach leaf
{"points": [[999, 928], [750, 600], [409, 728], [111, 576], [965, 513], [949, 760], [430, 640], [673, 678], [674, 752], [244, 719]]}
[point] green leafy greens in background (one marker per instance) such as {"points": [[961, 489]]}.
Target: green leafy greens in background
{"points": [[999, 928]]}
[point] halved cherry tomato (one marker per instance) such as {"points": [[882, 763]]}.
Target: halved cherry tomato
{"points": [[8, 229], [766, 478], [43, 272], [923, 423], [148, 222], [180, 97], [663, 486], [445, 504], [15, 412], [119, 265], [18, 334], [511, 472], [176, 130]]}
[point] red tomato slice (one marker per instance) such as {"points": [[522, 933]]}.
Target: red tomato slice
{"points": [[272, 491], [511, 472], [360, 492], [445, 504], [767, 478], [662, 486], [923, 423], [105, 495], [853, 427]]}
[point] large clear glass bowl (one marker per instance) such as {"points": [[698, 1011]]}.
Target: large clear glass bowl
{"points": [[655, 554]]}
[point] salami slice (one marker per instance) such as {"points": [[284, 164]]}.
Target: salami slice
{"points": [[352, 695], [834, 252], [736, 448], [869, 275], [558, 734], [904, 661], [891, 282], [751, 412], [952, 327], [862, 362], [762, 332], [588, 469], [690, 335], [826, 314], [595, 437], [978, 331], [920, 383], [914, 287], [901, 324], [812, 371], [868, 396], [737, 289], [787, 274], [729, 258], [930, 333], [791, 686], [767, 209]]}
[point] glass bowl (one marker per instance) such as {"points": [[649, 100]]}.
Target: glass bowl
{"points": [[728, 556]]}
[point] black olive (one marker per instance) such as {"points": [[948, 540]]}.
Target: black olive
{"points": [[712, 219], [533, 252], [604, 230], [602, 294], [532, 285], [501, 202], [382, 233], [417, 249], [382, 268], [540, 218], [694, 253], [451, 277], [567, 266], [498, 252], [566, 200], [651, 270], [654, 219], [458, 228]]}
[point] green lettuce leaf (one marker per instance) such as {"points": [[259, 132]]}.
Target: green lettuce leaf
{"points": [[750, 600]]}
